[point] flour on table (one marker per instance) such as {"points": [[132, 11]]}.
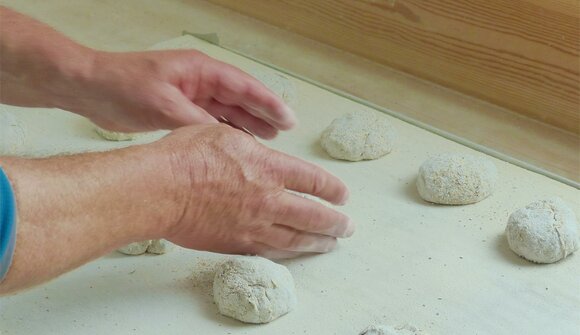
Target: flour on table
{"points": [[390, 330], [456, 179], [12, 134], [544, 231], [115, 135], [358, 136], [253, 289], [281, 85]]}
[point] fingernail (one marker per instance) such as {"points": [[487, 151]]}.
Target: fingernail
{"points": [[291, 120], [349, 229], [344, 199]]}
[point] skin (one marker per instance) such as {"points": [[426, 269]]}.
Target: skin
{"points": [[206, 186]]}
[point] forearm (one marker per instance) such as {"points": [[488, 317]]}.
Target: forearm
{"points": [[74, 209], [39, 67]]}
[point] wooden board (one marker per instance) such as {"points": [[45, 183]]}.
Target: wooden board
{"points": [[522, 55], [446, 269]]}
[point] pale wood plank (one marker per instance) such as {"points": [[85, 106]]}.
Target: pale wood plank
{"points": [[522, 55]]}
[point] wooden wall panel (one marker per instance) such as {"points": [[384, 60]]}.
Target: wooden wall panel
{"points": [[520, 54]]}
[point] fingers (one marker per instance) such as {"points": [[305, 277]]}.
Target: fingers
{"points": [[287, 239], [178, 111], [237, 88], [267, 251], [241, 119], [308, 178], [310, 216]]}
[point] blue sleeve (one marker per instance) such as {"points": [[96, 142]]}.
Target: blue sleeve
{"points": [[7, 224]]}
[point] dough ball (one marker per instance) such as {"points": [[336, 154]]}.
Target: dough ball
{"points": [[159, 247], [135, 248], [12, 134], [389, 330], [281, 85], [456, 179], [253, 289], [116, 136], [544, 231], [358, 136]]}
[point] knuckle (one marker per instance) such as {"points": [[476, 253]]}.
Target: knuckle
{"points": [[319, 182]]}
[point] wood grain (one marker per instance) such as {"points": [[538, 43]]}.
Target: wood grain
{"points": [[137, 24], [519, 54]]}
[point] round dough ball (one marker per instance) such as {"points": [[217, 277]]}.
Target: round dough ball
{"points": [[253, 289], [281, 85], [456, 179], [135, 248], [159, 247], [544, 231], [12, 134], [116, 136], [389, 330], [358, 136]]}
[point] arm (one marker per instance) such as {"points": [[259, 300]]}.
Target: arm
{"points": [[132, 91], [74, 209], [204, 187]]}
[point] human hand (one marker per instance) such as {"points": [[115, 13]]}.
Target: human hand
{"points": [[168, 89], [130, 91], [236, 197]]}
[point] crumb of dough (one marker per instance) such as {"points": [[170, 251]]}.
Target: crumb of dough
{"points": [[160, 247], [135, 248], [390, 330], [116, 136]]}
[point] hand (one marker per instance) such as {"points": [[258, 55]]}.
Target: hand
{"points": [[237, 200], [169, 89], [130, 92]]}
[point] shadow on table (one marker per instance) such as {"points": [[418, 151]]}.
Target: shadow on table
{"points": [[409, 190], [502, 247]]}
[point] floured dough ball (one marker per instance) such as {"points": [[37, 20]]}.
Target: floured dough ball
{"points": [[544, 231], [358, 136], [12, 134], [116, 136], [389, 330], [281, 85], [135, 248], [456, 179], [253, 289], [159, 247]]}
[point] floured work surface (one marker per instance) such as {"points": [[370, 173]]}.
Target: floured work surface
{"points": [[445, 269]]}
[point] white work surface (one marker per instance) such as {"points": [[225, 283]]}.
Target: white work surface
{"points": [[445, 269]]}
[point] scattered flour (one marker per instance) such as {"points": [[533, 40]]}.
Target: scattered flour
{"points": [[253, 289], [544, 231], [358, 136], [12, 134], [389, 330], [456, 179]]}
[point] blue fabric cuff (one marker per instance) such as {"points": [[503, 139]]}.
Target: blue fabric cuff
{"points": [[7, 224]]}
